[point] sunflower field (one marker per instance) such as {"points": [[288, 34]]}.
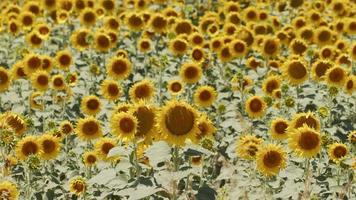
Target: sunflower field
{"points": [[177, 99]]}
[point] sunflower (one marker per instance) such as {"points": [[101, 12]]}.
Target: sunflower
{"points": [[253, 63], [142, 90], [79, 39], [34, 39], [250, 14], [353, 51], [36, 100], [178, 46], [319, 69], [158, 23], [190, 73], [270, 159], [225, 54], [309, 119], [110, 89], [351, 137], [90, 158], [205, 96], [327, 52], [238, 48], [183, 27], [255, 107], [196, 39], [307, 33], [337, 152], [278, 129], [64, 59], [144, 45], [175, 87], [47, 63], [351, 26], [146, 119], [134, 21], [66, 127], [27, 146], [5, 79], [88, 17], [8, 190], [40, 80], [62, 16], [177, 121], [124, 125], [298, 46], [336, 76], [78, 185], [305, 141], [270, 47], [27, 19], [32, 62], [206, 128], [58, 82], [323, 36], [13, 27], [247, 146], [216, 44], [88, 128], [271, 84], [122, 107], [49, 5], [102, 148], [197, 54], [295, 71], [49, 146], [102, 42], [350, 84], [119, 68], [17, 71], [90, 105], [108, 5]]}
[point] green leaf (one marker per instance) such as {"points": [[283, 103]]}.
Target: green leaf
{"points": [[158, 152], [103, 177]]}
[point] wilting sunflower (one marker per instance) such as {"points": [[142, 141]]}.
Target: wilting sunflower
{"points": [[110, 89], [5, 79], [64, 59], [102, 148], [58, 82], [8, 190], [27, 146], [319, 69], [295, 71], [36, 100], [175, 87], [40, 80], [305, 141], [308, 119], [90, 105], [88, 128], [336, 76], [90, 158], [205, 96], [271, 84], [102, 42], [88, 17], [119, 68], [247, 146], [337, 152], [278, 129], [16, 122], [142, 90], [350, 84], [50, 146], [190, 72], [66, 127], [270, 159], [124, 125], [178, 46], [177, 121], [79, 39], [255, 107], [146, 120], [77, 185]]}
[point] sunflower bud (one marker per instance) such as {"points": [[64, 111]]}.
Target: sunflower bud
{"points": [[207, 144], [94, 69], [289, 102], [33, 162], [323, 111], [268, 100], [221, 108], [333, 91], [284, 88]]}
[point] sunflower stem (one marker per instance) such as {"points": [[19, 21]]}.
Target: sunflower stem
{"points": [[307, 180]]}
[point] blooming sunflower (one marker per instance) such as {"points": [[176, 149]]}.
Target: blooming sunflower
{"points": [[336, 76], [88, 17], [40, 80], [146, 119], [134, 21], [196, 39], [36, 100], [206, 128], [64, 59], [77, 185], [34, 39], [122, 107], [337, 151], [142, 90], [8, 190], [90, 105], [32, 62], [225, 54], [247, 146], [238, 48], [144, 45], [295, 71], [298, 46], [178, 46], [175, 87], [90, 158], [102, 148], [271, 84], [158, 23], [66, 127], [278, 129], [27, 146], [5, 79], [323, 35], [110, 89], [319, 69], [88, 128], [58, 82], [49, 146], [255, 107], [79, 39], [308, 119], [270, 159], [190, 72], [124, 125], [205, 96], [270, 46], [119, 68], [350, 84], [102, 41], [305, 141], [17, 71], [197, 54], [177, 121], [47, 63]]}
